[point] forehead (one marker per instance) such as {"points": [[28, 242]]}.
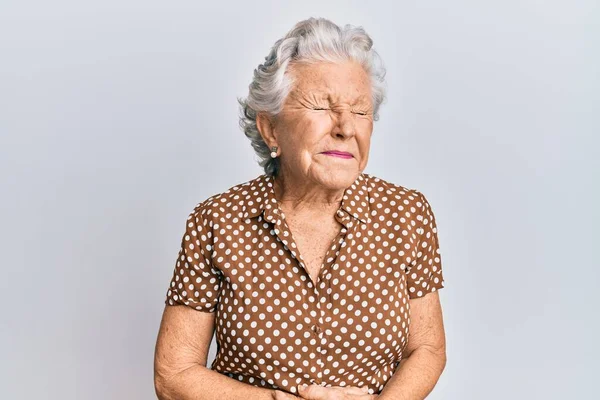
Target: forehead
{"points": [[331, 80]]}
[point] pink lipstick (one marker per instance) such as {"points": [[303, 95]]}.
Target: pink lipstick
{"points": [[336, 153]]}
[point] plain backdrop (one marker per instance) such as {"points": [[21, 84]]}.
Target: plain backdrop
{"points": [[118, 117]]}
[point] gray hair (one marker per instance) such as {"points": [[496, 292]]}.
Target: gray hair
{"points": [[311, 40]]}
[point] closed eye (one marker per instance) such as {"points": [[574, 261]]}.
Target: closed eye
{"points": [[323, 109]]}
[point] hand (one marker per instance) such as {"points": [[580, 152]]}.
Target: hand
{"points": [[327, 393], [318, 392]]}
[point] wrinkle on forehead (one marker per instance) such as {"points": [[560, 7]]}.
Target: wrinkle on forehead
{"points": [[310, 84]]}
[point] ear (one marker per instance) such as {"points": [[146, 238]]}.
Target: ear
{"points": [[265, 126]]}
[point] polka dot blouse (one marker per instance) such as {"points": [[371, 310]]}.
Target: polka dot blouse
{"points": [[274, 327]]}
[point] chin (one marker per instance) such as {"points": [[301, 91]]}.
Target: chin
{"points": [[340, 177]]}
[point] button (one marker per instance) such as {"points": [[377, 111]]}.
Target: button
{"points": [[316, 328]]}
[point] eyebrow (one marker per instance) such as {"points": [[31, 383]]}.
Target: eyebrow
{"points": [[327, 95]]}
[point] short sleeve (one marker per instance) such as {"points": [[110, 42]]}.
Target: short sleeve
{"points": [[195, 282], [424, 274]]}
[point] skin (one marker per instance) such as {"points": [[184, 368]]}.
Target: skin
{"points": [[329, 108], [424, 357], [180, 371]]}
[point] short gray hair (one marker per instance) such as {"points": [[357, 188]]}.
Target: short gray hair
{"points": [[310, 40]]}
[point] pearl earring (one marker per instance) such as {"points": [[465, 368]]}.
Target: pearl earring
{"points": [[274, 152]]}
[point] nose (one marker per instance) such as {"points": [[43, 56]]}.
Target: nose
{"points": [[344, 126]]}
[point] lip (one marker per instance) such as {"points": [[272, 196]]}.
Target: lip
{"points": [[337, 153]]}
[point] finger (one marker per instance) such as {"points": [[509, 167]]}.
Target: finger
{"points": [[314, 392], [355, 390], [281, 395], [318, 392]]}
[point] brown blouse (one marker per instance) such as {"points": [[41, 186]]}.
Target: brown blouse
{"points": [[274, 327]]}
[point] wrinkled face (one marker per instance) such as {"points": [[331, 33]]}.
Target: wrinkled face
{"points": [[329, 109]]}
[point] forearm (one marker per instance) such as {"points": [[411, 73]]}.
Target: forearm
{"points": [[415, 377], [201, 383]]}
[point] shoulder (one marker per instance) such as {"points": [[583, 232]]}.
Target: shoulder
{"points": [[227, 203], [387, 196], [382, 191]]}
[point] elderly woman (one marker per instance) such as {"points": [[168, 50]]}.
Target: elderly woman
{"points": [[319, 280]]}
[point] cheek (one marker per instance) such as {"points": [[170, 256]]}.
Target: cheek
{"points": [[307, 126], [309, 133], [316, 123], [364, 142]]}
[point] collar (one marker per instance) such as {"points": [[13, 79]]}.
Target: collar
{"points": [[260, 198]]}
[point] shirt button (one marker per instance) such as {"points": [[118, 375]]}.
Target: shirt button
{"points": [[316, 328]]}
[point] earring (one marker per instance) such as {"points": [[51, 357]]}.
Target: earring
{"points": [[274, 152]]}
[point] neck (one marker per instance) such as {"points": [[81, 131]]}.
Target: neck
{"points": [[303, 194]]}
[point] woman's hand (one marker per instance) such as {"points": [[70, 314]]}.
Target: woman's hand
{"points": [[318, 392]]}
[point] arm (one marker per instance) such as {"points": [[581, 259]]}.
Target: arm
{"points": [[425, 352], [181, 353]]}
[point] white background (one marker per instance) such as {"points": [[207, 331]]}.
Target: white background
{"points": [[117, 117]]}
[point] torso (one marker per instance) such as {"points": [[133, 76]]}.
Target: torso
{"points": [[275, 328]]}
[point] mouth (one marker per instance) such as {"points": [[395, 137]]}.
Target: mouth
{"points": [[337, 153]]}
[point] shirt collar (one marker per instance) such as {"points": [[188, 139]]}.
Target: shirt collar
{"points": [[261, 197]]}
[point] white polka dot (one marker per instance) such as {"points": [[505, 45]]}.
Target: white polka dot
{"points": [[275, 327]]}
